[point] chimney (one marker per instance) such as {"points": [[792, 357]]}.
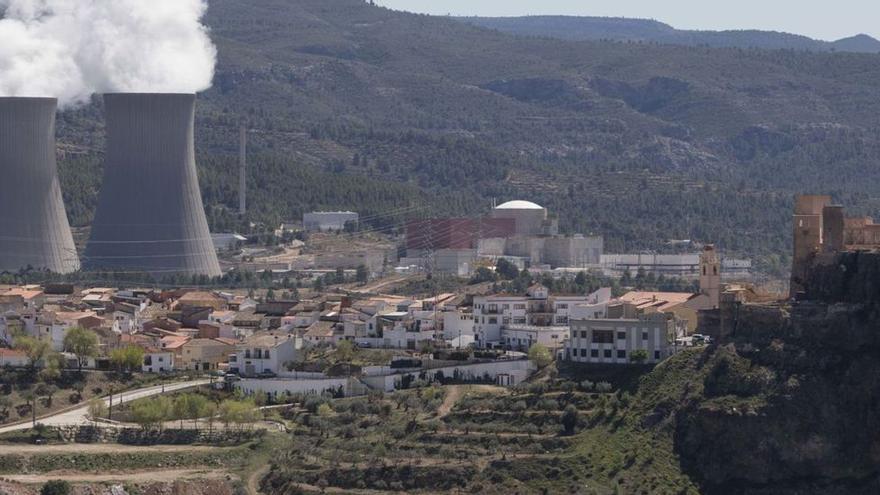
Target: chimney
{"points": [[150, 217], [242, 171], [33, 223]]}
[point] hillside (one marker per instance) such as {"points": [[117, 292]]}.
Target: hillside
{"points": [[785, 405], [644, 30], [352, 106]]}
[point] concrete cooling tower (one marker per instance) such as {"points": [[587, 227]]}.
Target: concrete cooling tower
{"points": [[150, 216], [34, 230]]}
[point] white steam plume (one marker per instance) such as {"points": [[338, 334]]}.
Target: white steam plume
{"points": [[71, 49]]}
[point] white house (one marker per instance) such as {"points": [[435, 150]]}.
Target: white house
{"points": [[52, 327], [264, 352], [158, 361]]}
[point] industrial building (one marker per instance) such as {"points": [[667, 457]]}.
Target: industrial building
{"points": [[34, 230], [150, 217], [518, 230], [323, 221], [672, 265], [529, 218]]}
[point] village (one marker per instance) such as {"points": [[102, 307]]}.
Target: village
{"points": [[341, 332]]}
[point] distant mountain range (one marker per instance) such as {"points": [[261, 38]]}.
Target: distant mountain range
{"points": [[624, 29]]}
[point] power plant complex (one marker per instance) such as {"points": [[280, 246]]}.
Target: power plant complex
{"points": [[34, 230], [150, 216]]}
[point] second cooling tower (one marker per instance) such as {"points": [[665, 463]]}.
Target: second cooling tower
{"points": [[150, 216], [34, 231]]}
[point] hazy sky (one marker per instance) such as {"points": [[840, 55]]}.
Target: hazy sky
{"points": [[822, 19]]}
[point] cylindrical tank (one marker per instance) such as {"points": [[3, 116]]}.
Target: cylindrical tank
{"points": [[150, 216], [34, 230]]}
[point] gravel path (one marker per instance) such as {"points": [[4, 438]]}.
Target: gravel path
{"points": [[78, 416]]}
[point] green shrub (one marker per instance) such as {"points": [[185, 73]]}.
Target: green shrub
{"points": [[55, 487]]}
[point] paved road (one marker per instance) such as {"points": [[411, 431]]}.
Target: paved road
{"points": [[78, 416]]}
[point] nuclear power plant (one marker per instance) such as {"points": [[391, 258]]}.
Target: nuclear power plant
{"points": [[34, 230], [150, 217]]}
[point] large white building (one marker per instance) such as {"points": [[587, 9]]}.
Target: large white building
{"points": [[517, 322], [613, 341]]}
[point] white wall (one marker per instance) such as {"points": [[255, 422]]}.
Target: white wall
{"points": [[521, 368], [281, 386], [457, 323]]}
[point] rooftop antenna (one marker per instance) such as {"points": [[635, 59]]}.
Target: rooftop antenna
{"points": [[242, 170]]}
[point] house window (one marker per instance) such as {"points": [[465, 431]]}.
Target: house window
{"points": [[645, 336], [161, 360], [519, 306], [607, 353], [583, 334], [621, 335], [583, 353], [594, 353], [603, 336], [505, 306], [562, 319], [657, 355], [266, 355], [519, 321], [493, 321], [562, 306], [505, 320], [621, 354]]}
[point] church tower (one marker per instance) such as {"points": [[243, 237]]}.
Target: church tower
{"points": [[710, 274]]}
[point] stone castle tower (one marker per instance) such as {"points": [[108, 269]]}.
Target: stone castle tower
{"points": [[710, 274]]}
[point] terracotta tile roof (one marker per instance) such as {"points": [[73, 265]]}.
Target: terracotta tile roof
{"points": [[661, 300], [173, 342], [24, 293]]}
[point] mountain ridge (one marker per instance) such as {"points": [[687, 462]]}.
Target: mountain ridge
{"points": [[585, 28]]}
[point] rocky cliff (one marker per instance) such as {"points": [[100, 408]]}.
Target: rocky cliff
{"points": [[791, 402]]}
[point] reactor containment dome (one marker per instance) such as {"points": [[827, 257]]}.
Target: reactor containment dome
{"points": [[150, 217], [34, 230]]}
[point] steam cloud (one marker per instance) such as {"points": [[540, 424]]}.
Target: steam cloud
{"points": [[71, 49]]}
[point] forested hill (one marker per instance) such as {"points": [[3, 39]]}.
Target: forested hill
{"points": [[644, 30], [356, 106]]}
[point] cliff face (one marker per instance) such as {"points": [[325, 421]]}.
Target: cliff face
{"points": [[847, 277], [790, 403]]}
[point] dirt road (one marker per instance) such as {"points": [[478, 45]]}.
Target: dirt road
{"points": [[253, 482], [156, 476], [454, 393], [102, 448]]}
